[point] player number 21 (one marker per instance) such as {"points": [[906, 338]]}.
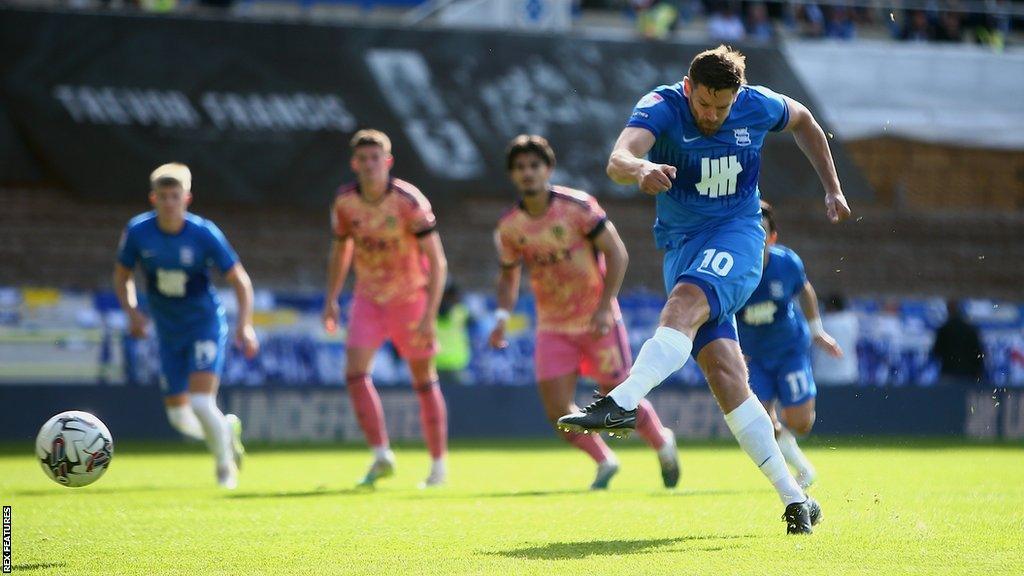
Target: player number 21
{"points": [[720, 262]]}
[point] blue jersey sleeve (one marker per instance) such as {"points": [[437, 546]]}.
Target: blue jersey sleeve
{"points": [[653, 113], [798, 274], [776, 111], [219, 250], [127, 250]]}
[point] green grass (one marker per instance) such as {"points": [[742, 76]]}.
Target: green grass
{"points": [[520, 508]]}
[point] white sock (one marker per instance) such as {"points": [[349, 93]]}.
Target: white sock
{"points": [[439, 467], [382, 452], [792, 453], [659, 357], [612, 461], [184, 420], [669, 448], [215, 426], [752, 427]]}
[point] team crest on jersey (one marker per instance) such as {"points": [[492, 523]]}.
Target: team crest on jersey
{"points": [[391, 221], [776, 289], [187, 256], [559, 232], [649, 100], [742, 136]]}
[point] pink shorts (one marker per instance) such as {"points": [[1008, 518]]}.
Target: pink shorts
{"points": [[606, 359], [372, 323]]}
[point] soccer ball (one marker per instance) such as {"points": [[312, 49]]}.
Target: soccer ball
{"points": [[74, 448]]}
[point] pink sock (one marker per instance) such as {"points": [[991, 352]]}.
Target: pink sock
{"points": [[366, 404], [648, 425], [433, 418], [590, 443]]}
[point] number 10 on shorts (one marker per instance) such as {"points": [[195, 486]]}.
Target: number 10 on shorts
{"points": [[720, 263]]}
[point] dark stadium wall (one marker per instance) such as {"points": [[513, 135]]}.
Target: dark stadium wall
{"points": [[262, 111], [306, 414]]}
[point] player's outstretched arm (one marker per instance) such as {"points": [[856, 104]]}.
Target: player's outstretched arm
{"points": [[616, 260], [124, 288], [628, 165], [339, 260], [809, 304], [245, 334], [812, 142], [508, 295], [432, 248]]}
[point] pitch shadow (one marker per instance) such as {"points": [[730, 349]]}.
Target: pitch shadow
{"points": [[576, 550], [300, 494], [92, 490], [40, 566]]}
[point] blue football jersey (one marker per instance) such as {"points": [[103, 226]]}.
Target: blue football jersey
{"points": [[769, 324], [716, 176], [181, 296]]}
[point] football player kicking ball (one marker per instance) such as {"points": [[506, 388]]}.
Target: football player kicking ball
{"points": [[696, 147], [577, 262], [777, 343], [387, 225], [175, 249]]}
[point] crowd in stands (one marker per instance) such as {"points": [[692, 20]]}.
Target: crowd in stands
{"points": [[731, 20], [987, 23]]}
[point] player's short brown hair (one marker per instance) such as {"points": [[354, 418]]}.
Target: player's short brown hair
{"points": [[768, 214], [529, 144], [370, 137], [722, 68]]}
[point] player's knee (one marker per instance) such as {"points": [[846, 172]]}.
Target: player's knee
{"points": [[686, 308], [726, 373], [800, 423]]}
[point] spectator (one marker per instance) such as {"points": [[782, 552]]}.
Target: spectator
{"points": [[812, 21], [725, 26], [656, 20], [958, 348], [840, 24], [917, 27], [453, 324], [759, 27], [950, 28], [844, 326]]}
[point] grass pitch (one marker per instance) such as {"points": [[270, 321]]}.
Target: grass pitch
{"points": [[522, 508]]}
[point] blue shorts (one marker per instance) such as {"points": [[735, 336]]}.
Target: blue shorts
{"points": [[202, 351], [725, 262], [787, 377]]}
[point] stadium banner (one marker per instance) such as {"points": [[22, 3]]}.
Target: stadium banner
{"points": [[263, 111], [277, 414]]}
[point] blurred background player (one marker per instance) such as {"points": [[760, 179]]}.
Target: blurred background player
{"points": [[577, 262], [703, 137], [175, 249], [455, 322], [777, 343], [388, 225]]}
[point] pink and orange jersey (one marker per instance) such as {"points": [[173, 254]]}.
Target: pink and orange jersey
{"points": [[388, 262], [566, 270]]}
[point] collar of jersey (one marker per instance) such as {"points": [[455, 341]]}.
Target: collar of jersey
{"points": [[387, 190], [551, 198]]}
